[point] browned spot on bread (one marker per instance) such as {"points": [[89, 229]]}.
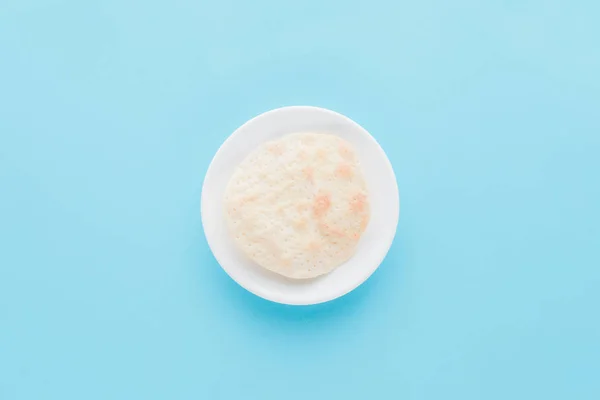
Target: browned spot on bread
{"points": [[337, 232], [358, 203], [275, 148], [308, 173], [300, 223], [286, 262], [344, 170], [248, 198], [321, 204], [314, 245], [332, 230], [321, 154]]}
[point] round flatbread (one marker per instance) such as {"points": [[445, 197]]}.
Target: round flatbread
{"points": [[298, 205]]}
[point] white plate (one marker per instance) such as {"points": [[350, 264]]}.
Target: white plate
{"points": [[373, 245]]}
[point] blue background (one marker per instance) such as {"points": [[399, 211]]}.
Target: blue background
{"points": [[110, 112]]}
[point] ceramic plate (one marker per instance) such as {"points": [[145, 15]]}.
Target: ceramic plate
{"points": [[373, 245]]}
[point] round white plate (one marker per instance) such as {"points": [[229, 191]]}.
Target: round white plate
{"points": [[373, 245]]}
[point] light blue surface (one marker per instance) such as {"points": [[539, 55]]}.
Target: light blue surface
{"points": [[110, 112]]}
